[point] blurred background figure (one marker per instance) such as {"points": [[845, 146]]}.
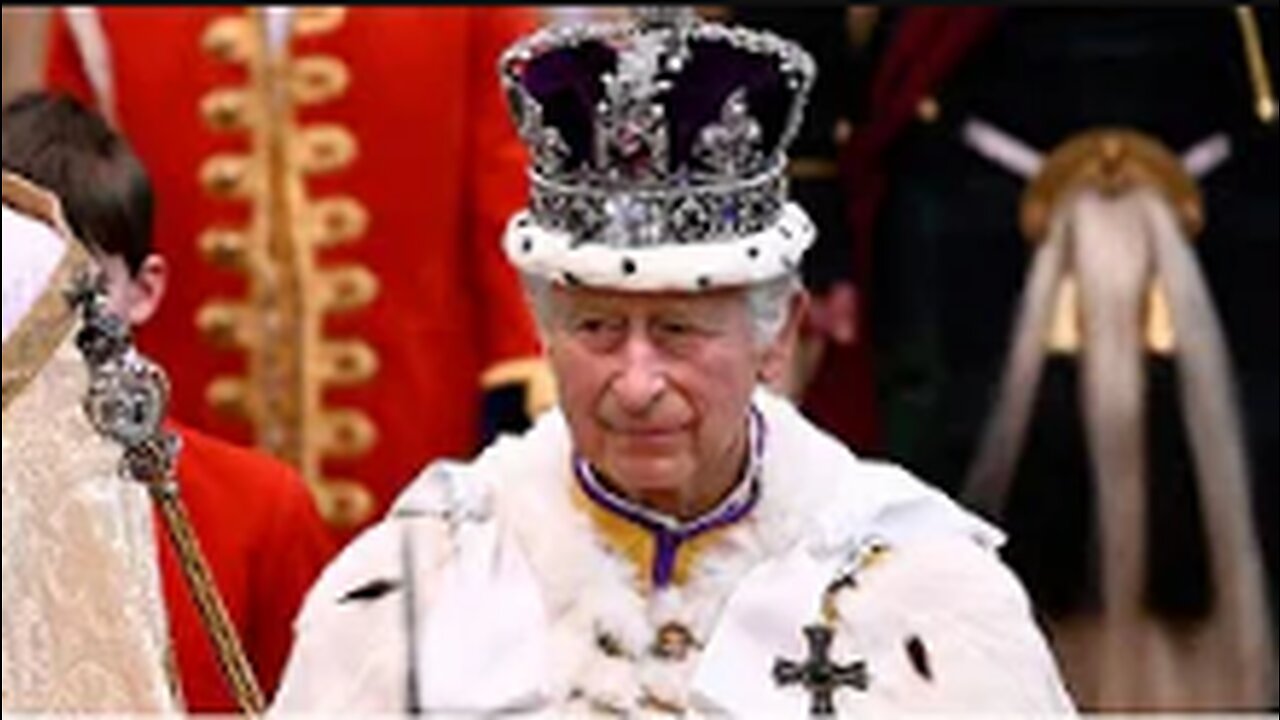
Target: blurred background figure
{"points": [[328, 183], [829, 374], [23, 32], [83, 623], [1116, 455]]}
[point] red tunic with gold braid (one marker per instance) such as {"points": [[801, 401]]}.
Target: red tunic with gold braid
{"points": [[331, 206]]}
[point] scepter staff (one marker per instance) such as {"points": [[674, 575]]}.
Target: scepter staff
{"points": [[126, 402]]}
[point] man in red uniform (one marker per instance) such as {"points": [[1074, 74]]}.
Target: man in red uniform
{"points": [[252, 514], [330, 184]]}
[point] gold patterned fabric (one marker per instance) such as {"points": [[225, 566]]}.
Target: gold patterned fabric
{"points": [[83, 625]]}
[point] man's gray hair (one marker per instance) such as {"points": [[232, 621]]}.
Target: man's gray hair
{"points": [[767, 304]]}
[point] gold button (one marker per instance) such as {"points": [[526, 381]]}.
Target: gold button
{"points": [[318, 20], [225, 175], [337, 219], [318, 78], [347, 287], [346, 433], [229, 396], [225, 109], [228, 39], [223, 324], [224, 248], [348, 362], [343, 503], [325, 148]]}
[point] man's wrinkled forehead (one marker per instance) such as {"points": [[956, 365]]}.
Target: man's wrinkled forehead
{"points": [[712, 302]]}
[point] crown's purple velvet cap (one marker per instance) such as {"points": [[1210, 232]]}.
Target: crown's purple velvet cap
{"points": [[567, 84]]}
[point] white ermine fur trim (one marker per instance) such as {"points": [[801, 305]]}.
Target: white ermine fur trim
{"points": [[588, 589], [591, 592], [762, 256]]}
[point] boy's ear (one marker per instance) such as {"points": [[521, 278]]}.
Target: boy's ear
{"points": [[146, 289]]}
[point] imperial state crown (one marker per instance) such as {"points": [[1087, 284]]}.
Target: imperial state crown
{"points": [[657, 152]]}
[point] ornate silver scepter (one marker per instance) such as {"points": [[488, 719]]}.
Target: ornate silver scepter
{"points": [[126, 402]]}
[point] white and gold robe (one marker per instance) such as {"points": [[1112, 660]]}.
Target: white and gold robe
{"points": [[83, 623], [521, 604]]}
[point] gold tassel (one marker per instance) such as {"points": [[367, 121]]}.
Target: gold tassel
{"points": [[1259, 74], [1160, 335], [1063, 335]]}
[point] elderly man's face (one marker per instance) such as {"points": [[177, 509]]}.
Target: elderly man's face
{"points": [[655, 387]]}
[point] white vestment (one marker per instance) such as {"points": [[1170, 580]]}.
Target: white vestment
{"points": [[84, 627], [514, 589]]}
